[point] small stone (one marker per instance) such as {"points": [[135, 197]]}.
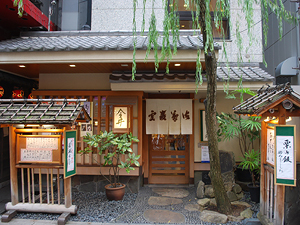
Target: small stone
{"points": [[192, 207], [247, 213], [200, 189], [240, 196], [209, 191], [241, 203], [163, 201], [171, 192], [213, 217], [235, 219], [213, 202], [232, 196], [236, 188], [203, 202]]}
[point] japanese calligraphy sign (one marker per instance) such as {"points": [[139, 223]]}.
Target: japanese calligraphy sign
{"points": [[121, 119], [285, 155], [270, 146], [45, 149], [70, 153], [169, 116]]}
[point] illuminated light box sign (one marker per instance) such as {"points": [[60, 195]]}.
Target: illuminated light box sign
{"points": [[285, 155], [121, 119]]}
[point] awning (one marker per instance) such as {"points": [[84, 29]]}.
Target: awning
{"points": [[42, 111], [266, 97], [285, 68]]}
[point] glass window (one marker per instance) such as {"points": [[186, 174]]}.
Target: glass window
{"points": [[186, 19]]}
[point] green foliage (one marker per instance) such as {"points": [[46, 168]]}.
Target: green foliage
{"points": [[117, 145], [246, 130], [20, 5], [251, 161]]}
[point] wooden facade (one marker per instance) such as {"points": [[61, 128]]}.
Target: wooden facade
{"points": [[102, 119], [275, 105]]}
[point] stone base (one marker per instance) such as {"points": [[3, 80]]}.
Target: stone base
{"points": [[243, 185]]}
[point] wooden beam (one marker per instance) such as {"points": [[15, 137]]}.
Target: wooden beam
{"points": [[191, 144], [6, 217], [63, 218], [263, 147], [13, 169], [86, 93], [41, 208]]}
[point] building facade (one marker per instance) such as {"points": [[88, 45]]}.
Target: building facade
{"points": [[92, 59]]}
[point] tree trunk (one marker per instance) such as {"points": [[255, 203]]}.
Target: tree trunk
{"points": [[223, 202]]}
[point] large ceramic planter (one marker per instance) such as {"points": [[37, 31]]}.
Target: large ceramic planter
{"points": [[254, 192], [115, 193]]}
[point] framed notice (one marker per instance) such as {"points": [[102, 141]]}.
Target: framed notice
{"points": [[121, 115], [70, 153], [39, 149], [203, 131], [270, 146], [285, 155], [205, 154]]}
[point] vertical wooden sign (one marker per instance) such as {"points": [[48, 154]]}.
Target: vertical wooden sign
{"points": [[70, 153], [285, 155]]}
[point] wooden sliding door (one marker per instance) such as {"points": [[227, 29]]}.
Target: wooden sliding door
{"points": [[169, 159]]}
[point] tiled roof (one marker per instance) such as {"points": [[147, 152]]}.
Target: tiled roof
{"points": [[91, 41], [41, 111], [266, 96], [223, 73]]}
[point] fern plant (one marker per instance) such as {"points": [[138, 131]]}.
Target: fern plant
{"points": [[251, 161]]}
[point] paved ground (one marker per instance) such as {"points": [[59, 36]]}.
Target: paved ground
{"points": [[153, 205]]}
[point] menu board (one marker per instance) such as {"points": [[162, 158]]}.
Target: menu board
{"points": [[270, 146], [39, 149], [285, 155]]}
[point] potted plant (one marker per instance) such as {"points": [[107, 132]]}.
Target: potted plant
{"points": [[251, 161], [245, 129], [116, 146]]}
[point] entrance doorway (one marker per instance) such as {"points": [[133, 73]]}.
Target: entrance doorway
{"points": [[169, 159]]}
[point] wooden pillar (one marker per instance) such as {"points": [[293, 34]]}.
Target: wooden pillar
{"points": [[140, 130], [263, 147], [68, 192], [13, 169], [280, 189], [192, 148]]}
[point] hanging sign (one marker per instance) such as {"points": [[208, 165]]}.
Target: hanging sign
{"points": [[205, 154], [70, 153], [121, 119], [285, 155], [270, 146]]}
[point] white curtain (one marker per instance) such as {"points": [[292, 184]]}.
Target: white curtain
{"points": [[151, 116], [169, 116], [186, 116], [163, 110]]}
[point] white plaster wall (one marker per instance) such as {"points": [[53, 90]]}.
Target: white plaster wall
{"points": [[77, 81], [115, 15], [249, 54], [118, 15], [223, 105]]}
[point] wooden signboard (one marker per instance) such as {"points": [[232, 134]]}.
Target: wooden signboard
{"points": [[41, 149], [285, 155], [70, 153]]}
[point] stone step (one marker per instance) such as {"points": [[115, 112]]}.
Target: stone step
{"points": [[253, 221]]}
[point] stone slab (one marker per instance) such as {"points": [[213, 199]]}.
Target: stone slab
{"points": [[213, 217], [192, 207], [163, 201], [203, 202], [247, 213], [241, 203], [171, 192], [163, 216], [6, 217]]}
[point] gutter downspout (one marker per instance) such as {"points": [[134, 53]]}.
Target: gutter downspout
{"points": [[297, 78]]}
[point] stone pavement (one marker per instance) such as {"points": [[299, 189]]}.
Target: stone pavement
{"points": [[176, 205]]}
